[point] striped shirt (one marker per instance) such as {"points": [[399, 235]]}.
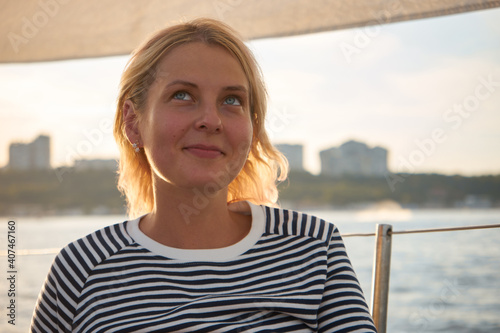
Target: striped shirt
{"points": [[290, 273]]}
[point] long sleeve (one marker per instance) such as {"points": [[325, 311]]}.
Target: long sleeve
{"points": [[54, 309], [343, 307]]}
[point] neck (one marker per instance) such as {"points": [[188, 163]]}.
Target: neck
{"points": [[193, 219]]}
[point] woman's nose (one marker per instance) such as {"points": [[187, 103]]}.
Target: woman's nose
{"points": [[209, 119]]}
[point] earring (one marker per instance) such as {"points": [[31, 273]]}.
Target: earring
{"points": [[136, 148]]}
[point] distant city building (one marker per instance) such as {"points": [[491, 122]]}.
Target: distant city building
{"points": [[354, 158], [96, 164], [30, 156], [294, 154]]}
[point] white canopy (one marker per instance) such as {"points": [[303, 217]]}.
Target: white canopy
{"points": [[42, 30]]}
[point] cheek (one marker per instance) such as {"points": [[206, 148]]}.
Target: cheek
{"points": [[157, 138], [245, 138], [177, 132], [164, 130]]}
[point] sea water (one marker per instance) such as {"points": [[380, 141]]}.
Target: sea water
{"points": [[439, 282]]}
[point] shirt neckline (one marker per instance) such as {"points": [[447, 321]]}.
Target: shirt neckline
{"points": [[218, 254]]}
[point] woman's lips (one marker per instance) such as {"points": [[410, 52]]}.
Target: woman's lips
{"points": [[204, 151]]}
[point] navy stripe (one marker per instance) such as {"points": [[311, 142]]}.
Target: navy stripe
{"points": [[275, 221], [268, 219], [112, 238], [103, 243]]}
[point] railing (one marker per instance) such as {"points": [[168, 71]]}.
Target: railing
{"points": [[381, 264]]}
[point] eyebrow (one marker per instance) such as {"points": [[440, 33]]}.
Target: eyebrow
{"points": [[181, 82], [236, 88]]}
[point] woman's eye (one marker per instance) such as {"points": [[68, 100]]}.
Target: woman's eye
{"points": [[232, 100], [182, 95]]}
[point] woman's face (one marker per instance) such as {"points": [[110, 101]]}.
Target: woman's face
{"points": [[196, 129]]}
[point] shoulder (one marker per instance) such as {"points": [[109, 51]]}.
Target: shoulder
{"points": [[87, 252], [294, 223]]}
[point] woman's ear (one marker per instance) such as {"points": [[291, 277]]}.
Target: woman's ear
{"points": [[131, 122]]}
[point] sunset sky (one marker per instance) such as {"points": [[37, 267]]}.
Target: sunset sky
{"points": [[426, 90]]}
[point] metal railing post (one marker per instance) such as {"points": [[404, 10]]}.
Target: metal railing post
{"points": [[380, 276]]}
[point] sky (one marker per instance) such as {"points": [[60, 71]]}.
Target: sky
{"points": [[426, 90]]}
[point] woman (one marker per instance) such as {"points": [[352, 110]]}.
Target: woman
{"points": [[206, 251]]}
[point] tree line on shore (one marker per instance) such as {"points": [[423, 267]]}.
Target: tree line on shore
{"points": [[95, 192], [409, 190]]}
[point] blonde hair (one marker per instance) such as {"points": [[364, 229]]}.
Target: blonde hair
{"points": [[265, 167]]}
